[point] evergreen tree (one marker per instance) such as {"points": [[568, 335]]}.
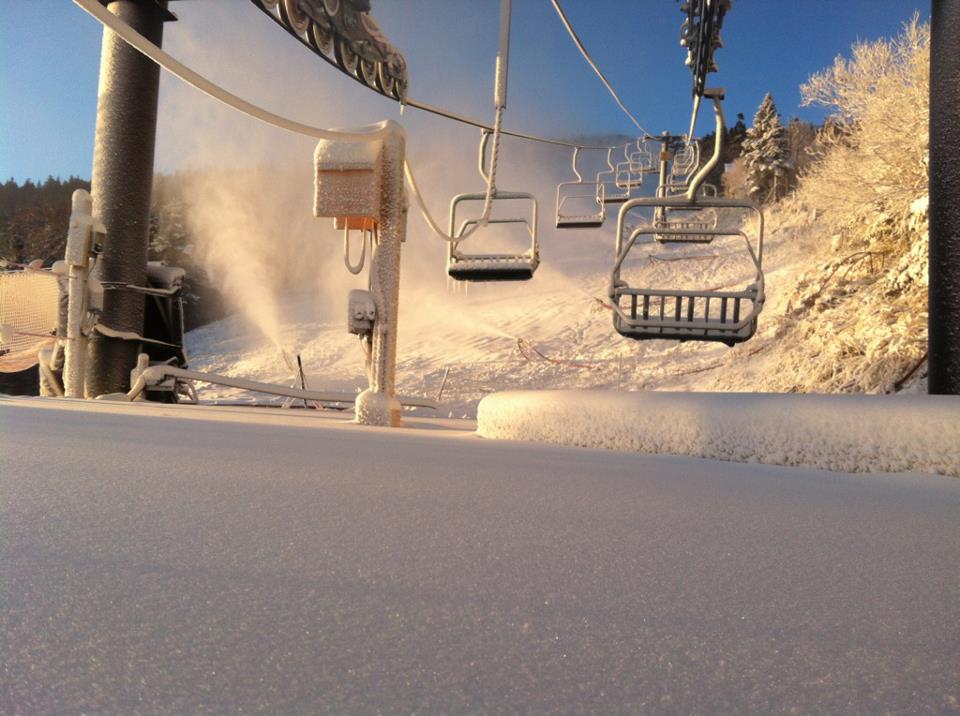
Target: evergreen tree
{"points": [[767, 154]]}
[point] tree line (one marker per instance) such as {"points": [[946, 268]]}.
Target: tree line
{"points": [[33, 226]]}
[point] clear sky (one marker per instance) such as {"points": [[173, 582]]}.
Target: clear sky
{"points": [[50, 54]]}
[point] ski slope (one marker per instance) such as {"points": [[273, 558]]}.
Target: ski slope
{"points": [[172, 559], [554, 331]]}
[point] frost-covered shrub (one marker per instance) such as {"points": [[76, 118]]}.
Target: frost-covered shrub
{"points": [[873, 156], [856, 320]]}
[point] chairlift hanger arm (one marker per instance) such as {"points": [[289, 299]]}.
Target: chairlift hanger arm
{"points": [[717, 96]]}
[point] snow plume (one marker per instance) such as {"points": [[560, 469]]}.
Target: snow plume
{"points": [[250, 237], [248, 187], [249, 195]]}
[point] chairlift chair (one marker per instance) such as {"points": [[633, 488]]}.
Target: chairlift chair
{"points": [[700, 228], [585, 197], [686, 161], [727, 316], [678, 225], [679, 314], [628, 174], [643, 159], [462, 266], [628, 177], [642, 162], [608, 190]]}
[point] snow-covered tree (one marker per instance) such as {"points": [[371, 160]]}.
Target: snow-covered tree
{"points": [[767, 154]]}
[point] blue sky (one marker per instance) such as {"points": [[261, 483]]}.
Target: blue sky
{"points": [[50, 54]]}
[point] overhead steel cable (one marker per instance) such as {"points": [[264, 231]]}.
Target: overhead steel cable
{"points": [[440, 112], [416, 104], [586, 55], [178, 69]]}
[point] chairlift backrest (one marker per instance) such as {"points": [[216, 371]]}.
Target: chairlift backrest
{"points": [[727, 316], [502, 266], [617, 182], [579, 203]]}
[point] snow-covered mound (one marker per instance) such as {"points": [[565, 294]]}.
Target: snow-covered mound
{"points": [[844, 433]]}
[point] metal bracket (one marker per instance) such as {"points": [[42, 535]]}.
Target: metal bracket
{"points": [[161, 4]]}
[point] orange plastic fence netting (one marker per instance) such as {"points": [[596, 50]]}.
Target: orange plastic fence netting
{"points": [[29, 302]]}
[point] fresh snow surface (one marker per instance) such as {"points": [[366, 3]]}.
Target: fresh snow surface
{"points": [[845, 433], [174, 559]]}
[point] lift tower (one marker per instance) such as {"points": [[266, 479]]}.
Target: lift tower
{"points": [[944, 289], [121, 187]]}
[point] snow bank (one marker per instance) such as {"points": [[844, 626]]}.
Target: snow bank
{"points": [[845, 433]]}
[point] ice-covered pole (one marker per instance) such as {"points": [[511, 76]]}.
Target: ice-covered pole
{"points": [[944, 287], [503, 56], [121, 184], [359, 182], [80, 238], [378, 404]]}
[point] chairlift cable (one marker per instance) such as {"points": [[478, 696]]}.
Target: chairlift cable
{"points": [[176, 68], [586, 55], [441, 112], [196, 80]]}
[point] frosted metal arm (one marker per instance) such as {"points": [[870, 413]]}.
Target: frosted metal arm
{"points": [[698, 178]]}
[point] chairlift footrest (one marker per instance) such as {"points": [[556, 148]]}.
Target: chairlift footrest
{"points": [[687, 315], [579, 222], [492, 268], [669, 238], [490, 274]]}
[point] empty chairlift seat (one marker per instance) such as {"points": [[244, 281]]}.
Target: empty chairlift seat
{"points": [[628, 176], [638, 163], [692, 224], [579, 203], [609, 190], [685, 226], [727, 316], [685, 163], [463, 266]]}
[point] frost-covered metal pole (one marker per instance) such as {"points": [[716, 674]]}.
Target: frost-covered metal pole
{"points": [[664, 173], [359, 182], [80, 238], [944, 289], [121, 186], [378, 404]]}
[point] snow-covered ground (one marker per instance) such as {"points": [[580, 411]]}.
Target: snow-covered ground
{"points": [[175, 559], [845, 433]]}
